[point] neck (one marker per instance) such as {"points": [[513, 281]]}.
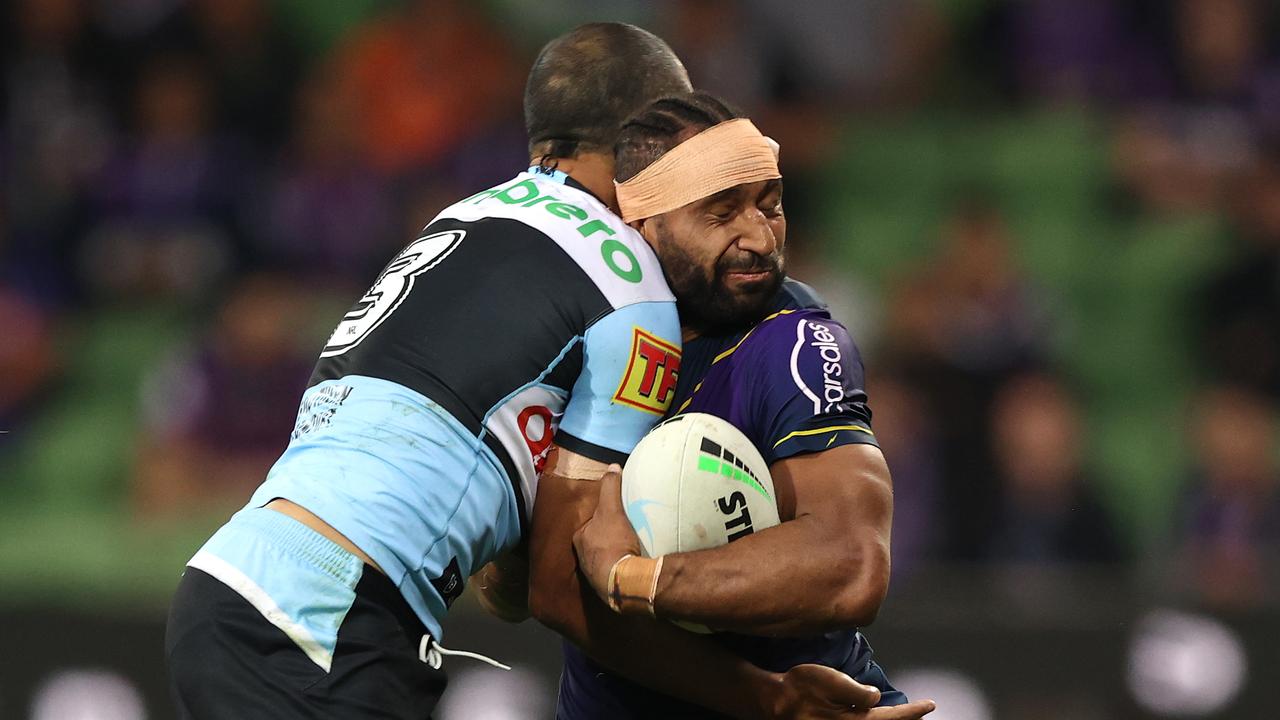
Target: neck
{"points": [[594, 171], [687, 333]]}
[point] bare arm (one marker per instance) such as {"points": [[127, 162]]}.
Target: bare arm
{"points": [[502, 588], [652, 653], [826, 569]]}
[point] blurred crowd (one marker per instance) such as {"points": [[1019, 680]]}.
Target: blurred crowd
{"points": [[240, 169]]}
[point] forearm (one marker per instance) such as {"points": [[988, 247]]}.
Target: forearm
{"points": [[502, 588], [555, 591], [674, 662], [654, 654], [828, 581]]}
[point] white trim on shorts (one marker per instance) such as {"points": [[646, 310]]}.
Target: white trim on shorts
{"points": [[232, 577]]}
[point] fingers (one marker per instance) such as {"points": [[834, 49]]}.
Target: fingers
{"points": [[851, 692], [611, 488], [579, 542], [910, 711], [835, 687]]}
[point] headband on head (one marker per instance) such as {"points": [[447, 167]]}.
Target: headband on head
{"points": [[718, 158]]}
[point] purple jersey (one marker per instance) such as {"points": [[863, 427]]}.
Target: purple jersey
{"points": [[793, 384]]}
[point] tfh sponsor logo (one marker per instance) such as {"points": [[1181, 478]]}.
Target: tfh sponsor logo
{"points": [[650, 381]]}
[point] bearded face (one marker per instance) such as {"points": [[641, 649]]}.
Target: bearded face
{"points": [[722, 294], [723, 255]]}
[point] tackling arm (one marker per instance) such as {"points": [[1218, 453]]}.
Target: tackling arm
{"points": [[502, 588]]}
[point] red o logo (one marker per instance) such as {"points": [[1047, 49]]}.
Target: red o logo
{"points": [[536, 419]]}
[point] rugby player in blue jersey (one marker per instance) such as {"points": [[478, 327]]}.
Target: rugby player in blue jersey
{"points": [[523, 311], [762, 352]]}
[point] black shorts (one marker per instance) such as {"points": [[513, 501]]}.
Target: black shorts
{"points": [[227, 662]]}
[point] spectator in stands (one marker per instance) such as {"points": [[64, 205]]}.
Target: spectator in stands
{"points": [[55, 114], [1181, 151], [167, 208], [719, 46], [907, 434], [254, 64], [423, 79], [328, 213], [1071, 52], [958, 329], [1049, 511], [1239, 307], [28, 360], [1230, 533], [218, 415], [1219, 51]]}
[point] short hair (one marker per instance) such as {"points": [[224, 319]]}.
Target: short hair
{"points": [[586, 83], [664, 124]]}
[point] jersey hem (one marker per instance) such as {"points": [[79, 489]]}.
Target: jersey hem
{"points": [[590, 450]]}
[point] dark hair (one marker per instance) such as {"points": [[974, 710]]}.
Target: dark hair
{"points": [[587, 82], [664, 124]]}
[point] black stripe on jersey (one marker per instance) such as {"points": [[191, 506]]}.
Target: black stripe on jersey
{"points": [[486, 320], [591, 450], [483, 321], [513, 474]]}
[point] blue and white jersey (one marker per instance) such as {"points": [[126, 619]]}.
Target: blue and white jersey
{"points": [[524, 312]]}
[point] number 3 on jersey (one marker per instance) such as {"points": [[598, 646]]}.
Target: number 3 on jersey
{"points": [[390, 289]]}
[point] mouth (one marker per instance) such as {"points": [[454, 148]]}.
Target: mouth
{"points": [[748, 276]]}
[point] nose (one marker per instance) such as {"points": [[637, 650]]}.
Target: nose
{"points": [[757, 233]]}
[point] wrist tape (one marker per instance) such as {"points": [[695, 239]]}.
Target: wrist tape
{"points": [[633, 582]]}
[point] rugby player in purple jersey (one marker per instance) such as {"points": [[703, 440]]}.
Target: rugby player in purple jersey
{"points": [[761, 351]]}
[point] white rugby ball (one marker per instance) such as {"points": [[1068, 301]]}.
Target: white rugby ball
{"points": [[696, 482]]}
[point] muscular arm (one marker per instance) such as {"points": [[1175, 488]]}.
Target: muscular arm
{"points": [[502, 588], [826, 569], [652, 653]]}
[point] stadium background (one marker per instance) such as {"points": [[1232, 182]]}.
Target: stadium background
{"points": [[1052, 225]]}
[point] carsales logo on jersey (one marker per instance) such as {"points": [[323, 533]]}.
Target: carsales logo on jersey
{"points": [[650, 381], [828, 349]]}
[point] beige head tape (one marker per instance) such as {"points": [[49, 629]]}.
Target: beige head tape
{"points": [[718, 158]]}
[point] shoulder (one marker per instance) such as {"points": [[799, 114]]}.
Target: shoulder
{"points": [[794, 303], [808, 347], [616, 258], [795, 295], [790, 329]]}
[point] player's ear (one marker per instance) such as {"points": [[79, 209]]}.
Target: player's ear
{"points": [[644, 227]]}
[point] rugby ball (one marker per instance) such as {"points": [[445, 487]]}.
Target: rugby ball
{"points": [[696, 482]]}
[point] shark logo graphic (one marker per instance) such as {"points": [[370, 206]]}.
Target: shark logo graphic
{"points": [[639, 520]]}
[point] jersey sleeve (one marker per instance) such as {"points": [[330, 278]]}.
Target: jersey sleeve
{"points": [[631, 360], [812, 397]]}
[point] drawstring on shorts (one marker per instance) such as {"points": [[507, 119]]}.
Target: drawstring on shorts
{"points": [[431, 652]]}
